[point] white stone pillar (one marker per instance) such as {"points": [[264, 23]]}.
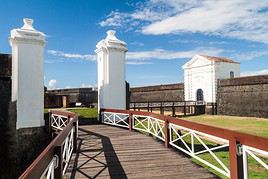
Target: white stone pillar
{"points": [[28, 74], [111, 54]]}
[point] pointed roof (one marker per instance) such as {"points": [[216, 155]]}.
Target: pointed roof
{"points": [[208, 59], [218, 59]]}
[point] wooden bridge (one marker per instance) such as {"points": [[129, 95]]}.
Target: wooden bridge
{"points": [[136, 144], [108, 152]]}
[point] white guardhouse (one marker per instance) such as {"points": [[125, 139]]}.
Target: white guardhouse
{"points": [[111, 56], [28, 74], [202, 73]]}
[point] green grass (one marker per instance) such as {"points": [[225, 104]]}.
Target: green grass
{"points": [[256, 126], [250, 125], [87, 116], [85, 113], [46, 110]]}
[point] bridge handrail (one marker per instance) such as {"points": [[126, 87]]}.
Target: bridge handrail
{"points": [[244, 138], [157, 104], [237, 142], [52, 154]]}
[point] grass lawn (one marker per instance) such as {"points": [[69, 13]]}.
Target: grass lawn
{"points": [[251, 125], [85, 113], [46, 110]]}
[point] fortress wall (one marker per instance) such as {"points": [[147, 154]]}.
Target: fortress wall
{"points": [[244, 96], [169, 92]]}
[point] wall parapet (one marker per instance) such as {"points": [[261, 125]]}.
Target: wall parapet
{"points": [[247, 80], [176, 86]]}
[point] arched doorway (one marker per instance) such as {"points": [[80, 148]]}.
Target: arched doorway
{"points": [[199, 95], [231, 74]]}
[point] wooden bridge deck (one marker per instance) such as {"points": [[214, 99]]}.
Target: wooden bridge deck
{"points": [[111, 152]]}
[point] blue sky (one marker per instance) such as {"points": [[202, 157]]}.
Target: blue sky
{"points": [[161, 35]]}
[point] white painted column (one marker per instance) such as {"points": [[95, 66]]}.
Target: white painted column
{"points": [[111, 55], [28, 74]]}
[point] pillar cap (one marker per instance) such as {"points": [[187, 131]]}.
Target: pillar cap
{"points": [[27, 33], [111, 42], [28, 24]]}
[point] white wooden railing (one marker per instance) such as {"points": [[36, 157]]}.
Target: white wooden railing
{"points": [[185, 140], [150, 125], [257, 155], [116, 119], [195, 139], [58, 153]]}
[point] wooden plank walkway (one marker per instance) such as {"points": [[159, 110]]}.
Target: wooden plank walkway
{"points": [[111, 152]]}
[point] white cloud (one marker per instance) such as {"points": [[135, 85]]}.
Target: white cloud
{"points": [[83, 85], [250, 55], [199, 42], [140, 44], [138, 62], [253, 73], [162, 54], [139, 57], [50, 61], [68, 87], [114, 19], [52, 84], [238, 19], [72, 55]]}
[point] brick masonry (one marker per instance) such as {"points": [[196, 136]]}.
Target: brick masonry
{"points": [[31, 142], [7, 128], [5, 81], [244, 96], [170, 92], [18, 147]]}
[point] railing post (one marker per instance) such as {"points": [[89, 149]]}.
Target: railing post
{"points": [[236, 160], [100, 116], [161, 109], [59, 169], [167, 133], [240, 161], [75, 136], [49, 123], [130, 121], [195, 108], [184, 108], [68, 119], [173, 110]]}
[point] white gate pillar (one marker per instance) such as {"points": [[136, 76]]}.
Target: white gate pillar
{"points": [[111, 55], [28, 74]]}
